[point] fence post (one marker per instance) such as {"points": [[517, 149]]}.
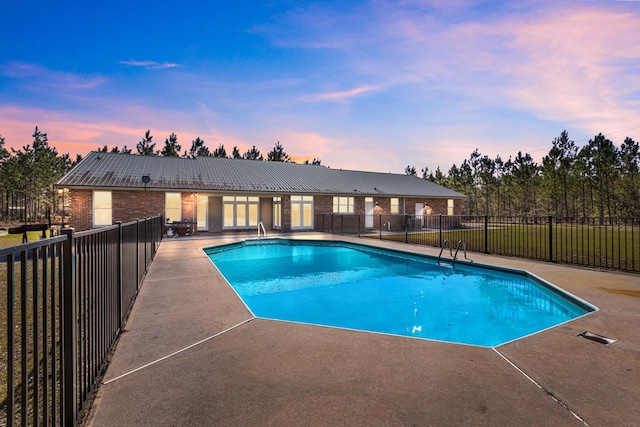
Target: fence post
{"points": [[359, 222], [69, 330], [440, 230], [380, 226], [341, 224], [119, 273], [137, 254], [550, 238], [406, 228], [486, 234], [146, 240]]}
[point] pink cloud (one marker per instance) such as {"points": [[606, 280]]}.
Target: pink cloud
{"points": [[340, 95]]}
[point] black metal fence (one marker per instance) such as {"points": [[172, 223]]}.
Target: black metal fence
{"points": [[610, 243], [66, 301]]}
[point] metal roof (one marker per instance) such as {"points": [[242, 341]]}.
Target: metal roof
{"points": [[125, 171]]}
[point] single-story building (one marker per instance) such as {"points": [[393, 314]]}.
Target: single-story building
{"points": [[217, 194]]}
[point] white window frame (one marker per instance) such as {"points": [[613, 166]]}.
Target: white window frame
{"points": [[277, 213], [102, 208], [343, 204], [171, 212], [450, 207], [246, 208], [301, 205]]}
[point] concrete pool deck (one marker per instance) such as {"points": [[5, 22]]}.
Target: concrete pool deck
{"points": [[193, 355]]}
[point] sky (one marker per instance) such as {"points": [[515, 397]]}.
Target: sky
{"points": [[368, 85]]}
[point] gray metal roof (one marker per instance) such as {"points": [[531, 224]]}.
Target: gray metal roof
{"points": [[116, 170]]}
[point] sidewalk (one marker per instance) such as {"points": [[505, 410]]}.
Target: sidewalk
{"points": [[193, 355]]}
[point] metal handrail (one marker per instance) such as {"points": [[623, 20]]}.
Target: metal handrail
{"points": [[464, 248], [264, 232], [445, 243]]}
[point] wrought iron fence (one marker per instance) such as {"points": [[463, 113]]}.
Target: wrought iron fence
{"points": [[66, 301], [610, 243]]}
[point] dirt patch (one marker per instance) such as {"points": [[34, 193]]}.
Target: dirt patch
{"points": [[628, 292]]}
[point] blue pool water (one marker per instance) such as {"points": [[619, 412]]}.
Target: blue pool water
{"points": [[358, 287]]}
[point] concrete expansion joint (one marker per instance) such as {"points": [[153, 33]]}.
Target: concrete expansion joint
{"points": [[545, 390], [178, 351], [182, 276]]}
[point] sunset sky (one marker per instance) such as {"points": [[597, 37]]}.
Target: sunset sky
{"points": [[370, 85]]}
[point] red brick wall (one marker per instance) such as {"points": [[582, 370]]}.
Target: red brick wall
{"points": [[286, 213], [323, 204], [127, 206], [189, 208], [80, 209], [132, 205]]}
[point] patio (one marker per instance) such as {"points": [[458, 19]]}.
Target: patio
{"points": [[192, 354]]}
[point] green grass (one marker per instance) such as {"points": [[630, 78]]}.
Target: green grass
{"points": [[34, 362], [606, 247], [16, 239]]}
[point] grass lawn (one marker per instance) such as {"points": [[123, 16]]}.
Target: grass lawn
{"points": [[7, 241], [607, 247], [16, 239]]}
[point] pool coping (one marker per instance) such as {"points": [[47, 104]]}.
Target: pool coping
{"points": [[263, 372]]}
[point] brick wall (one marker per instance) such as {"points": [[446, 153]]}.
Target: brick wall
{"points": [[323, 204], [80, 209], [286, 213], [132, 205], [126, 206]]}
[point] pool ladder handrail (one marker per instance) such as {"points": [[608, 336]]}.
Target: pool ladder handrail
{"points": [[464, 248], [445, 243], [264, 232], [454, 256]]}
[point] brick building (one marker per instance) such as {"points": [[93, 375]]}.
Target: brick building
{"points": [[217, 194]]}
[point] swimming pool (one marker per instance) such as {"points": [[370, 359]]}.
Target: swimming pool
{"points": [[359, 287]]}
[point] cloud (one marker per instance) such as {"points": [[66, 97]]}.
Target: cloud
{"points": [[340, 95], [150, 65], [37, 77], [573, 63]]}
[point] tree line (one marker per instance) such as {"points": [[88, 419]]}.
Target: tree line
{"points": [[171, 148], [599, 179], [28, 174]]}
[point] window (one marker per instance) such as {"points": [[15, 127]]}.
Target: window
{"points": [[301, 212], [240, 211], [343, 205], [395, 205], [172, 207], [102, 208], [450, 207], [202, 212], [277, 213]]}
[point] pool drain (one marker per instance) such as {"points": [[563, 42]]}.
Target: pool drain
{"points": [[597, 338]]}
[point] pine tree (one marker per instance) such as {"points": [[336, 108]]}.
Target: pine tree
{"points": [[146, 147], [278, 154], [221, 152], [171, 147], [253, 154]]}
